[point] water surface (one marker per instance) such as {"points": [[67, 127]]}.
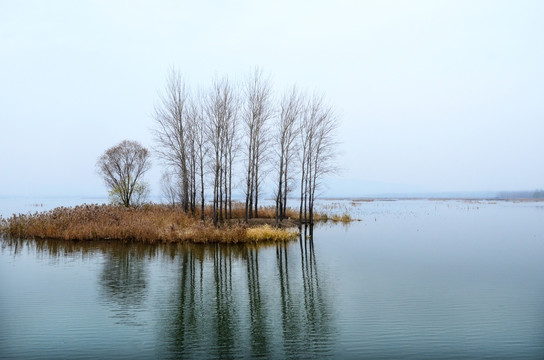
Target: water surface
{"points": [[414, 279]]}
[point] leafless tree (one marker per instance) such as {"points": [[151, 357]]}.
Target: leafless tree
{"points": [[232, 149], [221, 110], [122, 167], [286, 147], [171, 132], [191, 155], [199, 148], [258, 110], [318, 152]]}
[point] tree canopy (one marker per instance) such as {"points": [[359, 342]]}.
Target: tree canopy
{"points": [[122, 168]]}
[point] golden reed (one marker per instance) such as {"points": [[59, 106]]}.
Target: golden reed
{"points": [[149, 223]]}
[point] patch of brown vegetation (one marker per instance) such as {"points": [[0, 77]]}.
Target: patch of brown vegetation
{"points": [[148, 223]]}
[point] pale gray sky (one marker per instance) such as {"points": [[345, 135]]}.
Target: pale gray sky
{"points": [[433, 95]]}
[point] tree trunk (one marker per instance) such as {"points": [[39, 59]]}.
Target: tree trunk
{"points": [[257, 186], [201, 191]]}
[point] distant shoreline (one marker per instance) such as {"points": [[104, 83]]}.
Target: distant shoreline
{"points": [[401, 198]]}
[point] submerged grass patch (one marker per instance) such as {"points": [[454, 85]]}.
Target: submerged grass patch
{"points": [[345, 218]]}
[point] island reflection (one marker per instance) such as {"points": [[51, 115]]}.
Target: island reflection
{"points": [[210, 301]]}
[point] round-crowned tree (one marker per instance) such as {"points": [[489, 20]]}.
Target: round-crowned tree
{"points": [[122, 168]]}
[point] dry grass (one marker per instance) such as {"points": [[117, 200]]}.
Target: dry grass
{"points": [[149, 223], [154, 223], [264, 212], [272, 233]]}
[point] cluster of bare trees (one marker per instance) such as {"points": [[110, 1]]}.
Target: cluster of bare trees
{"points": [[209, 138]]}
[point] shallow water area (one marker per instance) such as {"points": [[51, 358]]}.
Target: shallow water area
{"points": [[413, 279]]}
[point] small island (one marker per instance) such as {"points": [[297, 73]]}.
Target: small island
{"points": [[155, 223], [211, 142]]}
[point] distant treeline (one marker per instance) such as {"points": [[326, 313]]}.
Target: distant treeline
{"points": [[536, 194]]}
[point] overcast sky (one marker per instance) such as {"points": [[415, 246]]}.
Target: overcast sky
{"points": [[432, 95]]}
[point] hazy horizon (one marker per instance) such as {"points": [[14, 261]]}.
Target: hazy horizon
{"points": [[432, 96]]}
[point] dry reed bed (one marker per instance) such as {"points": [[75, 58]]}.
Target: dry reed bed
{"points": [[149, 223]]}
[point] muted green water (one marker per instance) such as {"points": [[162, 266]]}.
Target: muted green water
{"points": [[414, 279]]}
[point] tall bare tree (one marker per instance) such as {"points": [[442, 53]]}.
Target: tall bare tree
{"points": [[221, 110], [318, 144], [286, 146], [122, 167], [191, 154], [232, 149], [171, 132], [199, 147], [258, 110]]}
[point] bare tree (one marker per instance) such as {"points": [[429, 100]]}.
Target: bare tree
{"points": [[286, 147], [257, 111], [191, 156], [221, 109], [171, 132], [214, 132], [199, 148], [318, 145], [232, 149], [122, 167]]}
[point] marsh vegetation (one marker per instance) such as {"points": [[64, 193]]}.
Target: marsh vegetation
{"points": [[151, 223]]}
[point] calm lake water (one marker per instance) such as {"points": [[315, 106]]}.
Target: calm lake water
{"points": [[414, 279]]}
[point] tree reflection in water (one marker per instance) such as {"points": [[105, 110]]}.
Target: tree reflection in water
{"points": [[229, 305], [186, 302], [257, 308], [123, 282], [203, 317], [306, 315]]}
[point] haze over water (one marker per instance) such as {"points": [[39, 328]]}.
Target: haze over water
{"points": [[414, 279], [441, 97]]}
